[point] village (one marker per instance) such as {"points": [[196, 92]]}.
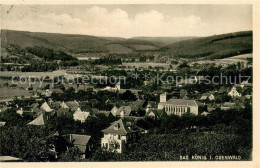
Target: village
{"points": [[125, 105], [127, 82]]}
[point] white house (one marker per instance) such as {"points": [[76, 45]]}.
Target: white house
{"points": [[234, 93], [80, 115], [178, 106], [117, 135], [116, 88]]}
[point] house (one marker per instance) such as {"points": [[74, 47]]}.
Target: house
{"points": [[222, 90], [138, 105], [115, 102], [106, 113], [80, 115], [64, 105], [207, 96], [72, 105], [117, 135], [114, 111], [151, 113], [123, 111], [211, 107], [46, 107], [81, 142], [25, 111], [204, 113], [47, 110], [150, 105], [116, 88], [2, 123], [39, 121], [234, 92], [3, 108], [245, 84], [227, 106], [155, 113], [56, 90], [46, 93], [178, 106]]}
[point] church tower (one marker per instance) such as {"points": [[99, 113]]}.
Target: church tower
{"points": [[163, 97]]}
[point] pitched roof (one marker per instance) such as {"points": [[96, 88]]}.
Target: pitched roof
{"points": [[78, 140], [222, 89], [94, 110], [203, 97], [127, 110], [73, 105], [57, 90], [2, 123], [37, 121], [118, 127], [181, 102], [45, 106], [137, 105], [151, 103], [229, 104], [106, 113]]}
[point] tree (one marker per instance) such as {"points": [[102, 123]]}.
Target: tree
{"points": [[46, 87], [128, 95], [30, 143], [71, 155]]}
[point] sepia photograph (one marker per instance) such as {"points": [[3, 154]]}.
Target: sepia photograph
{"points": [[126, 82]]}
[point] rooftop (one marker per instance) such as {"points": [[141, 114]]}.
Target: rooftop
{"points": [[118, 127], [181, 102]]}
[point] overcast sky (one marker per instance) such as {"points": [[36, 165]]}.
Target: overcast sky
{"points": [[128, 20]]}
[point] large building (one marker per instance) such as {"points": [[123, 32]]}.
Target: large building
{"points": [[178, 106]]}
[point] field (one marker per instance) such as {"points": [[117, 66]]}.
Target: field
{"points": [[146, 64], [243, 56], [6, 92]]}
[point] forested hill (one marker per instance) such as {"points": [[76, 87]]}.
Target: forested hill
{"points": [[218, 46]]}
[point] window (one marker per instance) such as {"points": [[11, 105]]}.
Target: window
{"points": [[119, 136]]}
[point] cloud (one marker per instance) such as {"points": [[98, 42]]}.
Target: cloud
{"points": [[99, 21]]}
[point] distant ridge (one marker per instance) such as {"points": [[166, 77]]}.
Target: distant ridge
{"points": [[218, 46]]}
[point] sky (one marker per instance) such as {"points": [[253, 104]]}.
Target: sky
{"points": [[128, 20]]}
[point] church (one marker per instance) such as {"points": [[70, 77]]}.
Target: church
{"points": [[177, 106]]}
